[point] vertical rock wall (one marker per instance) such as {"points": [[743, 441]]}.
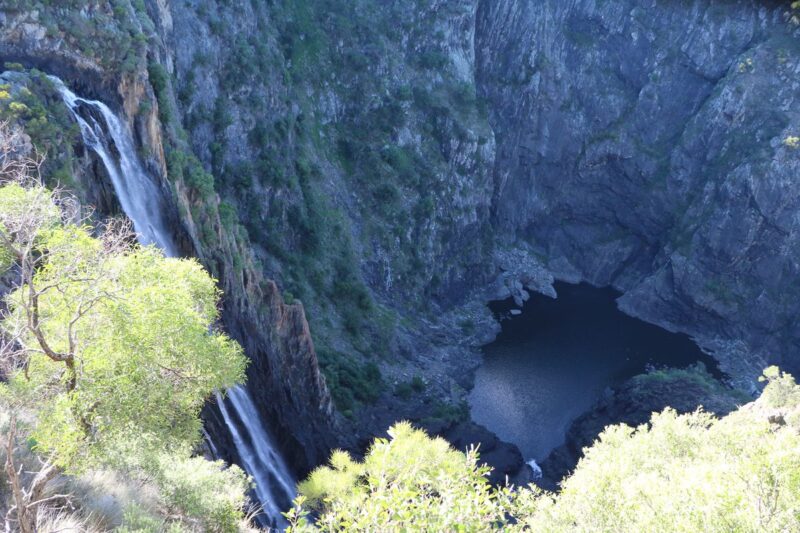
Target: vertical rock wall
{"points": [[643, 145]]}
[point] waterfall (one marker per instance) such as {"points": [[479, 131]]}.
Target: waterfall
{"points": [[140, 198], [138, 194], [537, 470], [274, 483]]}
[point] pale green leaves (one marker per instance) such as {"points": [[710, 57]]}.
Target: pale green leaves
{"points": [[132, 349], [407, 482], [110, 351], [147, 359], [207, 493], [24, 213], [679, 473]]}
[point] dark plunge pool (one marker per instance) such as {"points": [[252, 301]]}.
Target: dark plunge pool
{"points": [[551, 363]]}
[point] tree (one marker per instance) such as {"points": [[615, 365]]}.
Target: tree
{"points": [[407, 482], [108, 347]]}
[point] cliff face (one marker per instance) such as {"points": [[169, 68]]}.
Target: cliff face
{"points": [[644, 145], [383, 162], [344, 114], [349, 142]]}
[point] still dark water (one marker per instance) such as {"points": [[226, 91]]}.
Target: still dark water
{"points": [[551, 364]]}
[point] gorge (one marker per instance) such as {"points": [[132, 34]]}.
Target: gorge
{"points": [[363, 178]]}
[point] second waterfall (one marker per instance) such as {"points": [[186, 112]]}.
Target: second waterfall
{"points": [[141, 199]]}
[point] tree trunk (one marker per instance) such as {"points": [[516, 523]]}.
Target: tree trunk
{"points": [[26, 518]]}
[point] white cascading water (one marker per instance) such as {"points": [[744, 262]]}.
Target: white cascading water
{"points": [[140, 197], [274, 483], [137, 193], [537, 470]]}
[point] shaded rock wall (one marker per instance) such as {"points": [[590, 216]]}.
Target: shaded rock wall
{"points": [[641, 145], [349, 140]]}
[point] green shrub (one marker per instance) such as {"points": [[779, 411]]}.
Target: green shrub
{"points": [[176, 163], [404, 93], [406, 389], [159, 79], [679, 473], [197, 178], [408, 482], [227, 215], [432, 60], [451, 413], [138, 520], [204, 492], [351, 382], [781, 389]]}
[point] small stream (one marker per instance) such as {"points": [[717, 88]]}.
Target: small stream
{"points": [[552, 362]]}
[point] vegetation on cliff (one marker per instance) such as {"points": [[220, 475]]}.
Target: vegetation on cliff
{"points": [[690, 472], [346, 181], [260, 165], [51, 129], [114, 35]]}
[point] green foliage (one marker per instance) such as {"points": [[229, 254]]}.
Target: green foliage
{"points": [[227, 215], [432, 60], [695, 377], [37, 107], [129, 352], [149, 313], [679, 473], [450, 413], [684, 473], [159, 79], [19, 206], [197, 178], [138, 520], [781, 389], [792, 141], [113, 36], [407, 389], [207, 493], [351, 382], [402, 485], [117, 356]]}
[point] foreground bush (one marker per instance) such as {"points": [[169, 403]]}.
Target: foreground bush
{"points": [[679, 473], [108, 352], [407, 480]]}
